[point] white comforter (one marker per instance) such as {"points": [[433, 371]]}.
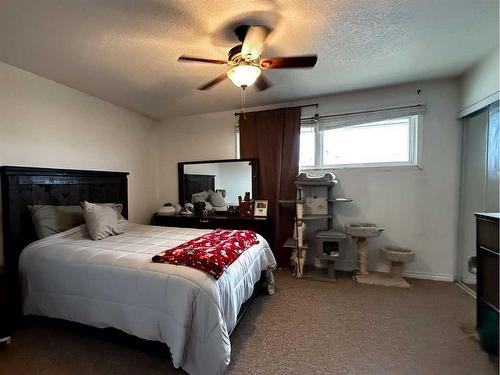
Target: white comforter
{"points": [[113, 283]]}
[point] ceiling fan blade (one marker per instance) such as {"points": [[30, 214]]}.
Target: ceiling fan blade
{"points": [[254, 43], [213, 82], [262, 83], [304, 61], [185, 58]]}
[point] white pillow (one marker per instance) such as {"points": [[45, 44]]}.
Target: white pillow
{"points": [[101, 220]]}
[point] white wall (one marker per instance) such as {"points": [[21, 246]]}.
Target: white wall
{"points": [[417, 207], [190, 138], [480, 84], [45, 124]]}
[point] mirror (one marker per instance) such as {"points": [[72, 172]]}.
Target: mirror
{"points": [[217, 182]]}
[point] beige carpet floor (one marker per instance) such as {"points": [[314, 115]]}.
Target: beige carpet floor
{"points": [[307, 327]]}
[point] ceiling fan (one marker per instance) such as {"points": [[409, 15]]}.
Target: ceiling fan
{"points": [[247, 63]]}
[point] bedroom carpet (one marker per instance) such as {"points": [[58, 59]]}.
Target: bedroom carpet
{"points": [[307, 327]]}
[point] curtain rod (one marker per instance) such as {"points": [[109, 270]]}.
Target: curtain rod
{"points": [[300, 106], [373, 111]]}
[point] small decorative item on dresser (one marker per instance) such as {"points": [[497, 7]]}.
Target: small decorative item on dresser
{"points": [[166, 209], [260, 208], [233, 210], [185, 212], [246, 208], [209, 212], [199, 207]]}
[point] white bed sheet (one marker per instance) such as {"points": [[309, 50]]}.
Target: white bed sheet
{"points": [[113, 283]]}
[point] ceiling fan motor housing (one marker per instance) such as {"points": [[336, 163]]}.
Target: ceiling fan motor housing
{"points": [[241, 32]]}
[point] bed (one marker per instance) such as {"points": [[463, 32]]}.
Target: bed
{"points": [[112, 282]]}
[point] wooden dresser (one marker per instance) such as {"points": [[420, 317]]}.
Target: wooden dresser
{"points": [[487, 252], [6, 307], [260, 225]]}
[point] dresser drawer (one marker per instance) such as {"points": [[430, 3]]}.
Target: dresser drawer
{"points": [[205, 223], [174, 221], [257, 224], [487, 263], [6, 306], [487, 234]]}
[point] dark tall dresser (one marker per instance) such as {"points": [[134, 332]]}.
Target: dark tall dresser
{"points": [[6, 307], [487, 280]]}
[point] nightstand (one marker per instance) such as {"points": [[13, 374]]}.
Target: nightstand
{"points": [[6, 307]]}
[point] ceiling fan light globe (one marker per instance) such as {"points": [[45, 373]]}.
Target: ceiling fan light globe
{"points": [[244, 75]]}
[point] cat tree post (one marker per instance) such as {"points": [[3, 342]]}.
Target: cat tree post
{"points": [[361, 232], [362, 256], [299, 227]]}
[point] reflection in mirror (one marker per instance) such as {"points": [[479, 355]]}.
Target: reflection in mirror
{"points": [[217, 184]]}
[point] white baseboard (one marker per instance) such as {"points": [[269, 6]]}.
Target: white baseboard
{"points": [[469, 280], [429, 276], [466, 289], [349, 266]]}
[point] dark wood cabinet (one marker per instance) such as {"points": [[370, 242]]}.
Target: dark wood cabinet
{"points": [[6, 306], [487, 252], [260, 225]]}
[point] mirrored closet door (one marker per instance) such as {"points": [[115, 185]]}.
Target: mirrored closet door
{"points": [[480, 179]]}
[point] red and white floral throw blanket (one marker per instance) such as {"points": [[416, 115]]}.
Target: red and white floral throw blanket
{"points": [[212, 252]]}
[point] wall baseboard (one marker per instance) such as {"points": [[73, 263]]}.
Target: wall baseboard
{"points": [[469, 280], [429, 276], [349, 267]]}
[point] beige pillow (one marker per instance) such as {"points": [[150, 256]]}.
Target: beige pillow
{"points": [[49, 220], [101, 220], [118, 207]]}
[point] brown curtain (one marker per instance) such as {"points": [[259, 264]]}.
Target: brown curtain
{"points": [[273, 137]]}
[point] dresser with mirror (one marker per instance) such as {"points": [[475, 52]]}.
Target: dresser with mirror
{"points": [[219, 184]]}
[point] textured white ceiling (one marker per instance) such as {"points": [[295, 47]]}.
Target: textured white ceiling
{"points": [[125, 51]]}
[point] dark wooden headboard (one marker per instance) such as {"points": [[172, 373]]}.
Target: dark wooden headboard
{"points": [[24, 186]]}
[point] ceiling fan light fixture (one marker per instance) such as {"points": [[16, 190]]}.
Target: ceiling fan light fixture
{"points": [[244, 75]]}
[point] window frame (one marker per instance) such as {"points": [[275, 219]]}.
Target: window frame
{"points": [[415, 147]]}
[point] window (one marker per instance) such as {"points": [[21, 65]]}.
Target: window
{"points": [[350, 142]]}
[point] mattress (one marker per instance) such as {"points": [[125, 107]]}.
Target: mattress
{"points": [[113, 283]]}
